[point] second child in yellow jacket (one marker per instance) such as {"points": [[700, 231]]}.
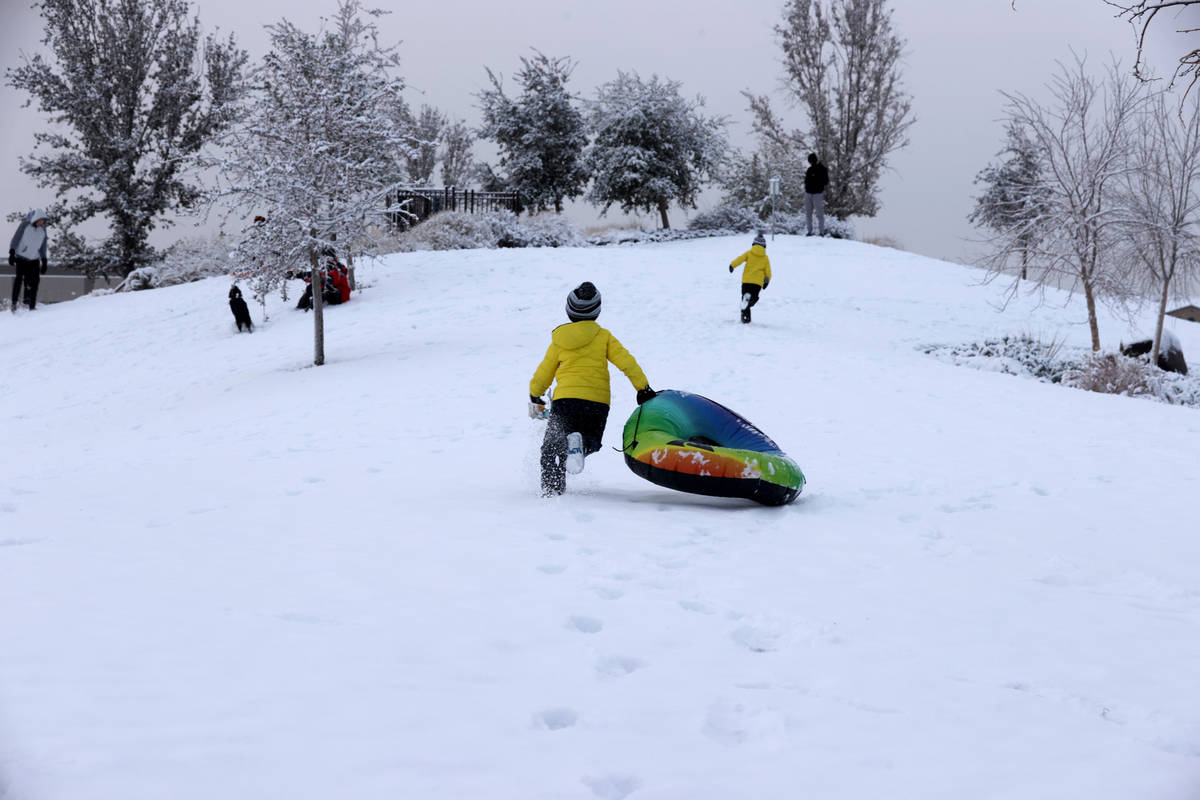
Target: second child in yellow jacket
{"points": [[577, 361], [756, 275]]}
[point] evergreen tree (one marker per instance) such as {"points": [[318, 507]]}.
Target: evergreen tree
{"points": [[651, 147], [318, 151], [1012, 200], [133, 91], [541, 134]]}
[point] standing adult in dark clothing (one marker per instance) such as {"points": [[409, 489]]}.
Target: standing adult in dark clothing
{"points": [[816, 178], [27, 255]]}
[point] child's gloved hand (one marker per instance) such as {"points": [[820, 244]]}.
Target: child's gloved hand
{"points": [[766, 282], [537, 407], [645, 394], [731, 267]]}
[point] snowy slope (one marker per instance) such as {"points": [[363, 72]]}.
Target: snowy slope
{"points": [[227, 574]]}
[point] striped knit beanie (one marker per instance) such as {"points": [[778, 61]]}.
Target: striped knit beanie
{"points": [[760, 239], [583, 303]]}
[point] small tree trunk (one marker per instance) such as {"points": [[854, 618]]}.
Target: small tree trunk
{"points": [[350, 272], [662, 212], [318, 304], [1158, 327], [1093, 324]]}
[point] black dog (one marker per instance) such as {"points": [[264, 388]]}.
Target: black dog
{"points": [[241, 314]]}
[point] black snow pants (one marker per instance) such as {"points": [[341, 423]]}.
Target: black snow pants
{"points": [[26, 273], [749, 299], [568, 416]]}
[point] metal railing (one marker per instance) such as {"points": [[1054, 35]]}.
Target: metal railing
{"points": [[420, 204]]}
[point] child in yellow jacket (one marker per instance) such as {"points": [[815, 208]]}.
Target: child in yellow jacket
{"points": [[755, 275], [578, 359]]}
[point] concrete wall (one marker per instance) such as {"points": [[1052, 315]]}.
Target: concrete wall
{"points": [[55, 286]]}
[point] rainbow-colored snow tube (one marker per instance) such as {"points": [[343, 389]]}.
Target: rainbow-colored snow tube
{"points": [[689, 443]]}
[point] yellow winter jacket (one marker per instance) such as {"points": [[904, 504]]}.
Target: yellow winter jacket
{"points": [[578, 358], [758, 266]]}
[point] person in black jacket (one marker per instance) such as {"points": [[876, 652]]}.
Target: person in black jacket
{"points": [[27, 255], [816, 178]]}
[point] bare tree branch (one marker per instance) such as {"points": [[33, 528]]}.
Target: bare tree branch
{"points": [[1141, 16]]}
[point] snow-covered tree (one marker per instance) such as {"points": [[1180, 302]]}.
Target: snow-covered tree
{"points": [[746, 182], [651, 146], [425, 130], [1163, 196], [458, 164], [541, 134], [1012, 199], [781, 154], [132, 90], [842, 64], [318, 151], [1083, 136]]}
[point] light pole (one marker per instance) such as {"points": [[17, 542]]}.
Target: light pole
{"points": [[774, 196]]}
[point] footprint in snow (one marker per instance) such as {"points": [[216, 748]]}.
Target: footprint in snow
{"points": [[734, 724], [613, 787], [609, 593], [583, 624], [555, 719], [696, 606], [617, 666], [756, 640], [552, 569]]}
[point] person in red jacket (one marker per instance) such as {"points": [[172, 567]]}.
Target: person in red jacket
{"points": [[341, 281]]}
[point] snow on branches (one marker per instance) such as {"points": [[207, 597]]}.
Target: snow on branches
{"points": [[318, 150], [651, 145], [134, 91]]}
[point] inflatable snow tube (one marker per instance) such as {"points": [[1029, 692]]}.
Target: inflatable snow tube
{"points": [[689, 443]]}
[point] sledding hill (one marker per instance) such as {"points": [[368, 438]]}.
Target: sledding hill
{"points": [[225, 573]]}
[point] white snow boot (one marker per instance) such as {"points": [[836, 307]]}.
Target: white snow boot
{"points": [[575, 453]]}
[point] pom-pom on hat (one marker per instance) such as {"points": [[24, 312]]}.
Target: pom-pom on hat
{"points": [[759, 239], [583, 302]]}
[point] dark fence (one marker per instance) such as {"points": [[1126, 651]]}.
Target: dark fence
{"points": [[420, 204]]}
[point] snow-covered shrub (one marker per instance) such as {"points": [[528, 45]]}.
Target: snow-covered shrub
{"points": [[551, 230], [796, 225], [1012, 355], [387, 239], [458, 230], [195, 259], [141, 278], [452, 230], [726, 218], [1112, 373], [1051, 362]]}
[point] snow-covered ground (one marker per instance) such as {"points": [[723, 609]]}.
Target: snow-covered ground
{"points": [[227, 574]]}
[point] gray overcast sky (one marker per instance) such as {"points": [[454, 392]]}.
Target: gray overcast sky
{"points": [[960, 53]]}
